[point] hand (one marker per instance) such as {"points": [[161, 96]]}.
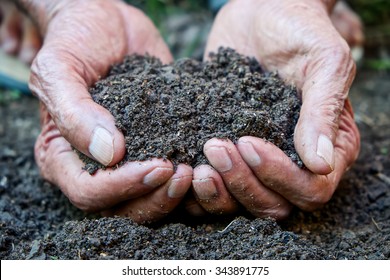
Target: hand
{"points": [[18, 34], [82, 40], [297, 39]]}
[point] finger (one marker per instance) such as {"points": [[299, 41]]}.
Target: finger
{"points": [[70, 61], [89, 127], [301, 187], [80, 60], [328, 77], [242, 183], [10, 29], [160, 202], [347, 144], [211, 193], [221, 33], [60, 165], [193, 207], [31, 41], [60, 77]]}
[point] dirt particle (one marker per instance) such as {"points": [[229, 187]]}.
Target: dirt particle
{"points": [[170, 111]]}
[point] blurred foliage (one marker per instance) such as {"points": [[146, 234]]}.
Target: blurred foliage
{"points": [[9, 95], [157, 10], [375, 15], [378, 64], [372, 12]]}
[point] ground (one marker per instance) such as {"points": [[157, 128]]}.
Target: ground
{"points": [[38, 222]]}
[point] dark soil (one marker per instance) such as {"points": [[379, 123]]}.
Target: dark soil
{"points": [[170, 111], [38, 222]]}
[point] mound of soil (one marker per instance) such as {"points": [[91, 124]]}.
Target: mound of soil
{"points": [[38, 222], [170, 111]]}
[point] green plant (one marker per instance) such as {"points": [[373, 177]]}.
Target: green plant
{"points": [[9, 95], [378, 64], [372, 12]]}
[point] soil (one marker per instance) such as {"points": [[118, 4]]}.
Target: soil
{"points": [[38, 222], [170, 111]]}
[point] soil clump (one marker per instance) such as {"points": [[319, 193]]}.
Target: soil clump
{"points": [[170, 111]]}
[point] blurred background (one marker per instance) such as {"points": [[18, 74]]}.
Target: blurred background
{"points": [[186, 23], [375, 15]]}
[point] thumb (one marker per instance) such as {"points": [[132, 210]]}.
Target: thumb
{"points": [[90, 128], [324, 91]]}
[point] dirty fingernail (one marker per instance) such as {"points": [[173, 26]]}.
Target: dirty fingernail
{"points": [[102, 146], [219, 158], [205, 189], [325, 150], [176, 189], [157, 176], [249, 153]]}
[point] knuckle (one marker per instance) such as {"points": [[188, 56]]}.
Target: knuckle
{"points": [[340, 60], [281, 213], [317, 198], [67, 118], [161, 209], [277, 212], [142, 215], [239, 183], [81, 202], [220, 208], [87, 198]]}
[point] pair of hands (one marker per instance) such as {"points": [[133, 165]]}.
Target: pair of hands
{"points": [[297, 38]]}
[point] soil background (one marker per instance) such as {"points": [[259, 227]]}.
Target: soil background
{"points": [[38, 222]]}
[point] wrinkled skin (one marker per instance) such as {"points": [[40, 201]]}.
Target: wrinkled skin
{"points": [[267, 185], [82, 40], [296, 38]]}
